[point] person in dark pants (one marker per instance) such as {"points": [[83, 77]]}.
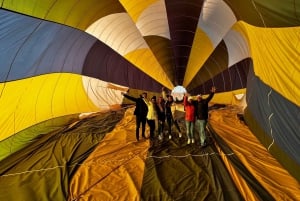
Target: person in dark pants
{"points": [[161, 116], [141, 111], [169, 103]]}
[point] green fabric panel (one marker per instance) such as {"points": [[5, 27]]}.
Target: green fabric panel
{"points": [[21, 139], [43, 169], [266, 13], [289, 164], [278, 13], [78, 14], [176, 171]]}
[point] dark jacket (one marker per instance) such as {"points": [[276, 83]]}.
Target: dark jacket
{"points": [[161, 110], [141, 108], [201, 109]]}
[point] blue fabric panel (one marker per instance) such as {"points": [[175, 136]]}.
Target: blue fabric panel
{"points": [[276, 115], [31, 47]]}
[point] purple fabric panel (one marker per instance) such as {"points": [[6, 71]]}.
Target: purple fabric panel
{"points": [[238, 74], [183, 19], [104, 63], [233, 78]]}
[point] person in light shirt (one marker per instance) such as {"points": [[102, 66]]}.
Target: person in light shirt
{"points": [[151, 115]]}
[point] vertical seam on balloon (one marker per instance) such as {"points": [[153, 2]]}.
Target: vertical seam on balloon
{"points": [[295, 10], [10, 68], [271, 131], [64, 61], [261, 17], [46, 14], [239, 74], [230, 79], [70, 12], [269, 118], [224, 80]]}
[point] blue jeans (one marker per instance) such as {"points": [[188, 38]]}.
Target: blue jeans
{"points": [[189, 129], [201, 125]]}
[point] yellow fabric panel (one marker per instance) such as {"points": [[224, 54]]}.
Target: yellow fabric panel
{"points": [[136, 7], [226, 97], [116, 164], [238, 180], [275, 53], [202, 48], [30, 101], [254, 156], [146, 62]]}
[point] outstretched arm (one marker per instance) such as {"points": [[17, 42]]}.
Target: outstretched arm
{"points": [[185, 97], [164, 93], [212, 93], [213, 89], [147, 102], [129, 97]]}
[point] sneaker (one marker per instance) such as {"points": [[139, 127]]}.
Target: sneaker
{"points": [[189, 141], [203, 145], [193, 141], [170, 137], [180, 135], [160, 137]]}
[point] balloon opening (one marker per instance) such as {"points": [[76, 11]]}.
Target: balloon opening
{"points": [[178, 93]]}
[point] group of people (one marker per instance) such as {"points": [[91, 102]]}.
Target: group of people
{"points": [[155, 112], [196, 115]]}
